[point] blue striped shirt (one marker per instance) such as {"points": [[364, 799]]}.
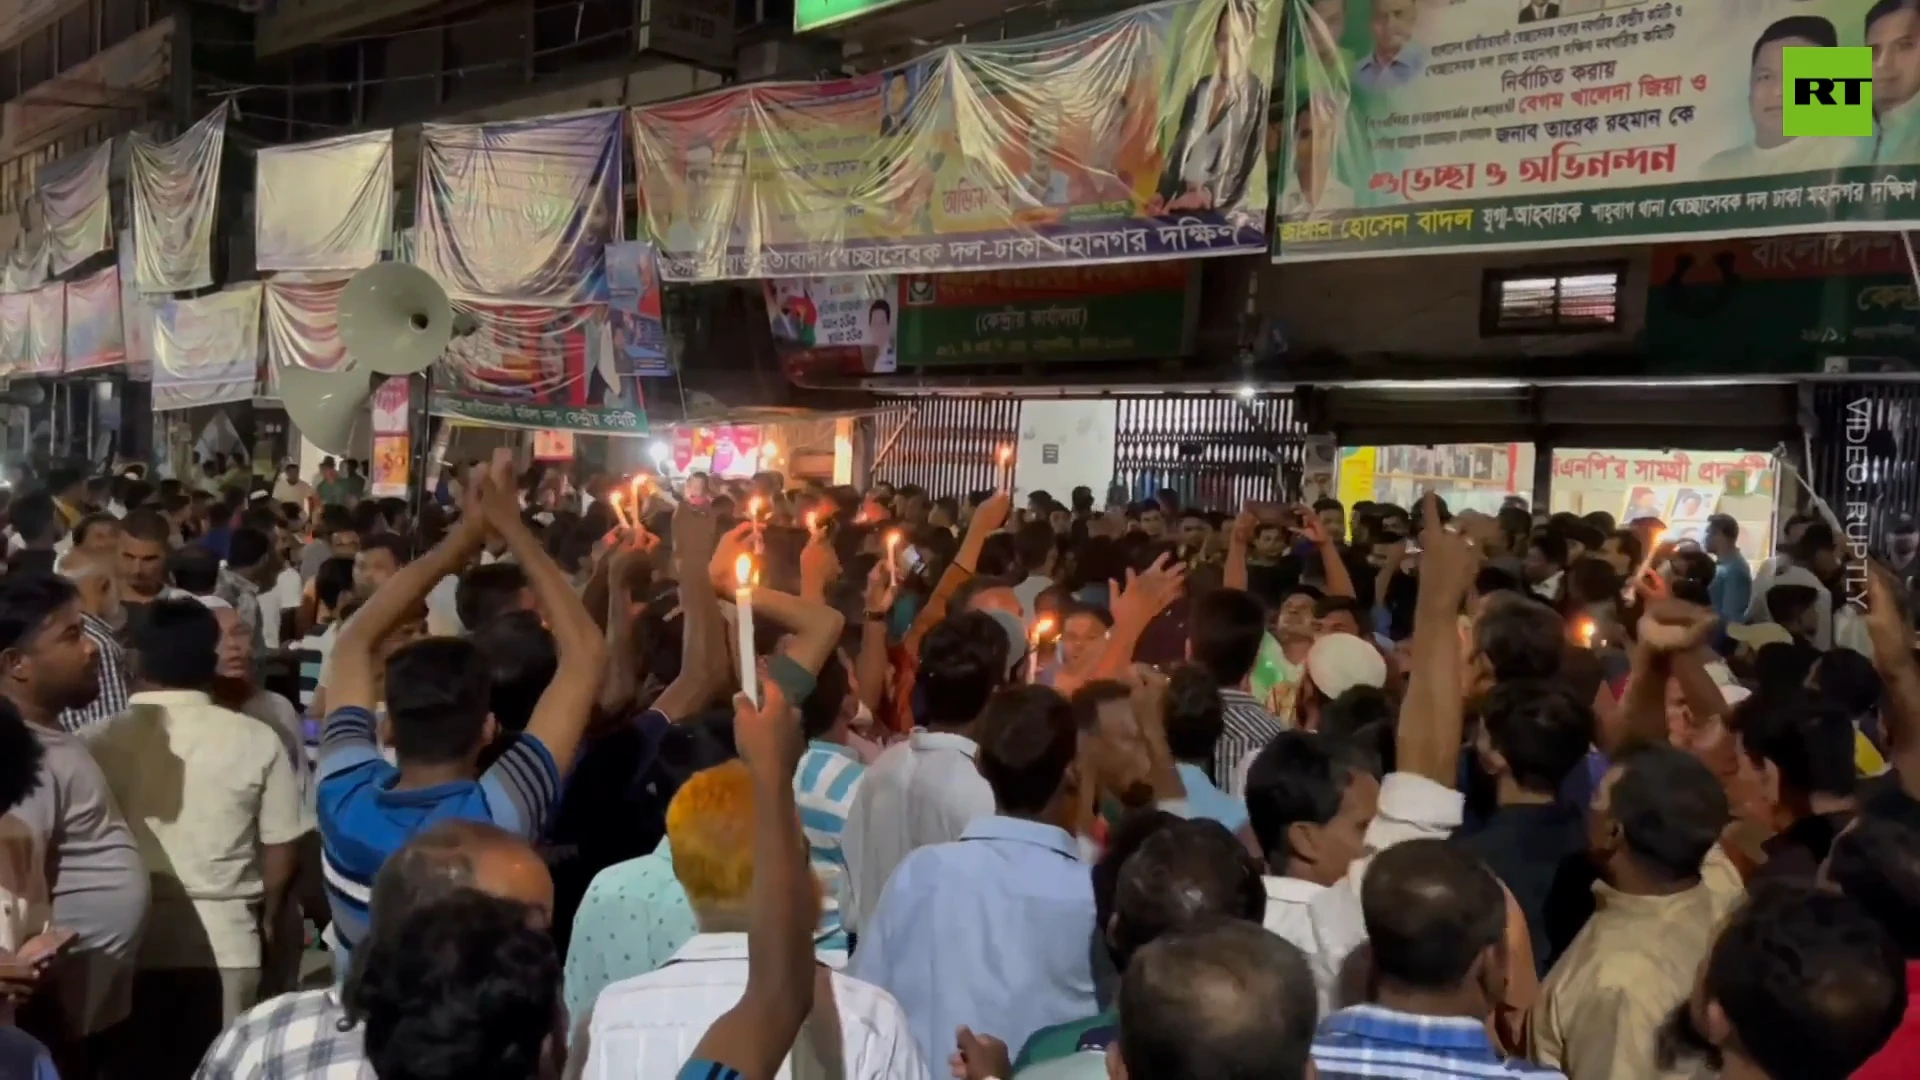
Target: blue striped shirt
{"points": [[823, 788], [363, 819], [1367, 1042]]}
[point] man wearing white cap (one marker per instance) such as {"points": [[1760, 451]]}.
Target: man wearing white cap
{"points": [[1336, 664]]}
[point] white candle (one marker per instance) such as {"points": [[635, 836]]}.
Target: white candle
{"points": [[893, 551], [743, 620], [755, 514], [619, 511], [1040, 630], [1006, 468]]}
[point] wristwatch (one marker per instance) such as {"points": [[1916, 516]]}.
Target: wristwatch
{"points": [[876, 616]]}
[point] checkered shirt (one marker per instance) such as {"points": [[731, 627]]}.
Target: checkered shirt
{"points": [[112, 700], [291, 1037]]}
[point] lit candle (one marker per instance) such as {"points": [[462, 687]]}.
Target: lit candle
{"points": [[756, 507], [1654, 541], [619, 510], [1585, 629], [1040, 631], [743, 620], [1006, 467], [893, 551]]}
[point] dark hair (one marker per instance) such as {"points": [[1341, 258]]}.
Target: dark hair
{"points": [[962, 661], [1801, 28], [468, 990], [64, 477], [486, 592], [438, 696], [1185, 874], [1876, 862], [87, 524], [1033, 544], [1541, 728], [366, 520], [1431, 909], [1298, 777], [1789, 603], [1229, 1000], [248, 547], [1630, 545], [820, 710], [1226, 630], [1552, 545], [1599, 519], [194, 569], [392, 543], [20, 758], [333, 519], [521, 661], [178, 644], [1028, 739], [33, 516], [1808, 741], [1195, 715], [333, 581], [1133, 830], [1724, 524], [27, 601], [1811, 985], [1521, 639], [1365, 721], [882, 307], [147, 526], [1670, 809]]}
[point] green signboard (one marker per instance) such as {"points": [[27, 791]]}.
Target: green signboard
{"points": [[815, 14], [1074, 313]]}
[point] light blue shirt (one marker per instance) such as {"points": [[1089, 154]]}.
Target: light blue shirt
{"points": [[634, 917], [994, 930], [1204, 800], [1731, 589], [823, 789], [1375, 75]]}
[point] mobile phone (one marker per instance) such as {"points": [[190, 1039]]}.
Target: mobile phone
{"points": [[910, 560]]}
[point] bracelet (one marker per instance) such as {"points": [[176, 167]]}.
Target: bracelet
{"points": [[876, 616]]}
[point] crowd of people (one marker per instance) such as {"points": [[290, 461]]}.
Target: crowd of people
{"points": [[719, 779]]}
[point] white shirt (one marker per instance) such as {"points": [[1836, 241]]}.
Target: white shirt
{"points": [[299, 492], [202, 787], [922, 791], [1412, 807], [1789, 574], [647, 1026], [443, 614]]}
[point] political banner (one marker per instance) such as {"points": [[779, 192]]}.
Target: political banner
{"points": [[26, 265], [16, 331], [325, 205], [835, 325], [73, 198], [47, 338], [1416, 127], [391, 407], [531, 366], [1136, 136], [175, 189], [1780, 304], [300, 320], [206, 351], [633, 308], [519, 211], [94, 338], [136, 315]]}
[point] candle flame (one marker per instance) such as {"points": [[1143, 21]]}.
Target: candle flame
{"points": [[893, 539], [1659, 537], [813, 520], [1585, 630], [754, 504], [614, 498], [1042, 629], [743, 570], [1006, 452]]}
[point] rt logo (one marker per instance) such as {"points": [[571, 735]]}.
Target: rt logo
{"points": [[1830, 92]]}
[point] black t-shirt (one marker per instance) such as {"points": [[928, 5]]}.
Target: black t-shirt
{"points": [[1540, 854]]}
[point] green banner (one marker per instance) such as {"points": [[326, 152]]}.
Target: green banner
{"points": [[1779, 305], [815, 14], [1413, 127], [589, 421], [1074, 313]]}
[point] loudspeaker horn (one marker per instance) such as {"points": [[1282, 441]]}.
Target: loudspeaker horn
{"points": [[327, 406], [394, 319]]}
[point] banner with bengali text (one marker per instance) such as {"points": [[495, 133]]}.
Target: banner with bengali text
{"points": [[519, 211], [47, 341], [206, 351], [73, 196], [94, 336], [1514, 126], [325, 205], [176, 187], [1136, 136], [633, 308], [539, 367]]}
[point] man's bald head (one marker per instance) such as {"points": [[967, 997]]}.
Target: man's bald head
{"points": [[455, 855], [1227, 1001]]}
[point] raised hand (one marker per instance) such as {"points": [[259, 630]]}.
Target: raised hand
{"points": [[1672, 626], [1147, 594], [768, 736]]}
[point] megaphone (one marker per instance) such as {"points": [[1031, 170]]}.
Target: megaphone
{"points": [[394, 320], [327, 406]]}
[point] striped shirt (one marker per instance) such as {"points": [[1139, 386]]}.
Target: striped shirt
{"points": [[1367, 1042], [112, 700], [363, 819], [1247, 727], [823, 788]]}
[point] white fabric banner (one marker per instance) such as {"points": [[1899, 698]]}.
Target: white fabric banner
{"points": [[324, 205], [206, 351], [136, 316], [175, 188], [79, 217], [302, 326], [16, 331], [48, 342], [94, 335], [26, 266]]}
